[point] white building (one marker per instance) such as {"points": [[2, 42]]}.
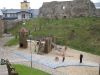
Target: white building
{"points": [[11, 14], [24, 13]]}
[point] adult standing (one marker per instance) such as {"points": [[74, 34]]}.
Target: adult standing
{"points": [[81, 58]]}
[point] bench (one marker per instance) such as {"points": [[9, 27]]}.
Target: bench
{"points": [[10, 68]]}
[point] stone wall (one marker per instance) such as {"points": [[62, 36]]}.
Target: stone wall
{"points": [[98, 12], [1, 27], [8, 24], [67, 9]]}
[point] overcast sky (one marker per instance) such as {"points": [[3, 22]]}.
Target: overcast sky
{"points": [[35, 4]]}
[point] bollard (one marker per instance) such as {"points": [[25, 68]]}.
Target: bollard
{"points": [[81, 58]]}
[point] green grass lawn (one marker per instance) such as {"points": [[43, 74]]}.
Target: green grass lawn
{"points": [[24, 70], [13, 41], [79, 33]]}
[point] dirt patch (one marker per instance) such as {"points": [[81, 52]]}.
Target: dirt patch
{"points": [[79, 70]]}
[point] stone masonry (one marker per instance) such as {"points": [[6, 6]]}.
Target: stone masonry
{"points": [[98, 12], [9, 24], [1, 27], [67, 9]]}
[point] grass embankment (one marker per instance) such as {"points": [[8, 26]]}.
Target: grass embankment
{"points": [[24, 70], [79, 33]]}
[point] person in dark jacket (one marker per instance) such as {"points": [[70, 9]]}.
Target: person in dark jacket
{"points": [[81, 58]]}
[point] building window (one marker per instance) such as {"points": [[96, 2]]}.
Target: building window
{"points": [[5, 15], [12, 15], [23, 15]]}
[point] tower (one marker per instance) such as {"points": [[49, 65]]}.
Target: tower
{"points": [[25, 5]]}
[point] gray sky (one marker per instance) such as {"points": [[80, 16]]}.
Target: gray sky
{"points": [[35, 4]]}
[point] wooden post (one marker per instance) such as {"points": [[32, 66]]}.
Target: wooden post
{"points": [[48, 46], [23, 35]]}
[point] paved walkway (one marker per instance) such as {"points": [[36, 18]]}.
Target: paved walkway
{"points": [[43, 62], [3, 70], [3, 40], [49, 61]]}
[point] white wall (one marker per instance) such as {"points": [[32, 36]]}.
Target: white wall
{"points": [[19, 16], [8, 15], [27, 16]]}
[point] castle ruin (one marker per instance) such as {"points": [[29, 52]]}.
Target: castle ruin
{"points": [[1, 27], [1, 24], [67, 9], [98, 12]]}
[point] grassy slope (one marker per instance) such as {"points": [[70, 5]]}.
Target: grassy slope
{"points": [[24, 70], [79, 33]]}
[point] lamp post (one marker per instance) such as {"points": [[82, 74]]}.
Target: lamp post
{"points": [[30, 37]]}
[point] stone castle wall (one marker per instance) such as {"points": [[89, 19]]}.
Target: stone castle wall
{"points": [[67, 9], [1, 27], [8, 24], [98, 12]]}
